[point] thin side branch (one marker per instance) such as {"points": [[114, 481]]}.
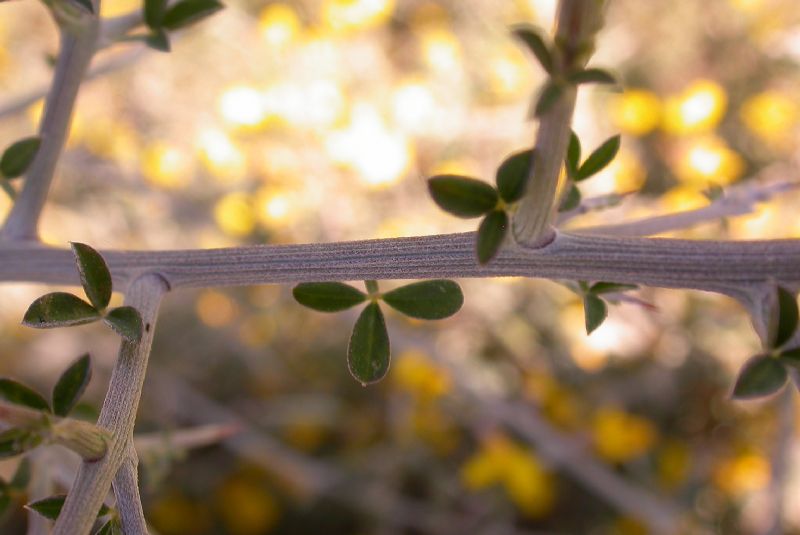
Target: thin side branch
{"points": [[129, 502], [118, 416]]}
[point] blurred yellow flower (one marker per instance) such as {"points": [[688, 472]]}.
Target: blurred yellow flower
{"points": [[220, 156], [526, 481], [175, 514], [619, 436], [415, 373], [166, 166], [242, 106], [636, 111], [215, 309], [560, 405], [305, 436], [742, 474], [682, 198], [434, 427], [698, 109], [115, 8], [278, 24], [441, 50], [509, 73], [673, 462], [351, 15], [274, 207], [246, 507], [234, 214], [379, 155], [708, 160], [771, 115]]}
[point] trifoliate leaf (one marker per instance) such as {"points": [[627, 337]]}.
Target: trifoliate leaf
{"points": [[428, 300], [573, 154], [548, 96], [462, 196], [18, 157], [490, 236], [611, 287], [787, 317], [571, 200], [327, 296], [534, 40], [17, 440], [188, 12], [598, 159], [71, 385], [595, 312], [126, 322], [760, 376], [154, 13], [592, 76], [512, 175], [368, 351], [19, 394], [95, 277], [59, 309]]}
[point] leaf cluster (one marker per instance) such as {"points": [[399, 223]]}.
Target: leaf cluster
{"points": [[578, 172], [161, 18], [64, 397], [368, 353], [767, 373], [61, 309], [50, 508], [595, 298], [469, 197]]}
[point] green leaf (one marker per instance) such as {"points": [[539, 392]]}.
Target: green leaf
{"points": [[534, 40], [51, 506], [372, 286], [787, 317], [327, 296], [790, 357], [611, 287], [592, 76], [462, 196], [490, 235], [18, 157], [760, 376], [368, 351], [86, 4], [512, 175], [188, 12], [95, 277], [126, 322], [428, 300], [158, 40], [600, 158], [154, 13], [16, 441], [571, 200], [573, 154], [22, 476], [19, 394], [59, 309], [548, 96], [595, 312], [71, 384]]}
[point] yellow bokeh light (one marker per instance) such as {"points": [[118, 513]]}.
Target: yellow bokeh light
{"points": [[279, 24], [441, 50], [413, 107], [415, 373], [350, 15], [166, 166], [116, 8], [709, 160], [316, 104], [772, 115], [682, 198], [246, 507], [742, 474], [273, 206], [619, 436], [509, 73], [220, 156], [636, 111], [380, 156], [215, 308], [698, 109], [234, 214], [242, 106]]}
